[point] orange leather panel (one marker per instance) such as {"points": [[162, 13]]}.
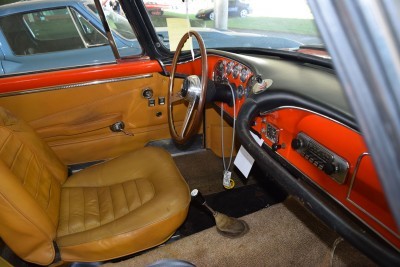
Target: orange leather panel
{"points": [[81, 123], [109, 210], [30, 191], [92, 207], [124, 243], [118, 210], [26, 229]]}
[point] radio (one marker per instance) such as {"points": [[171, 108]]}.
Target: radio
{"points": [[321, 157]]}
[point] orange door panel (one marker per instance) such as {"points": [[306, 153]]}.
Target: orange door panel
{"points": [[73, 114]]}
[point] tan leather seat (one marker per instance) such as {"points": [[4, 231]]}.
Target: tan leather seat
{"points": [[122, 206]]}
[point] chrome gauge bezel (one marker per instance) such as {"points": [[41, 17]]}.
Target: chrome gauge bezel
{"points": [[219, 71], [229, 67], [244, 74], [236, 70]]}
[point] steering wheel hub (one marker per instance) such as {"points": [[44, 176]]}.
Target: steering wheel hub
{"points": [[191, 88]]}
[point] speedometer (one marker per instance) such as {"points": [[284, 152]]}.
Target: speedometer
{"points": [[236, 70], [219, 71], [229, 67], [221, 66], [243, 74]]}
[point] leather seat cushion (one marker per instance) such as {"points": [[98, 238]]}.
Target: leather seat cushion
{"points": [[122, 206]]}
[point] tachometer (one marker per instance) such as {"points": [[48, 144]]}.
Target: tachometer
{"points": [[236, 70], [244, 74], [229, 67], [219, 71]]}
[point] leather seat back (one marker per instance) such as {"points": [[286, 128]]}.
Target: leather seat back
{"points": [[31, 177]]}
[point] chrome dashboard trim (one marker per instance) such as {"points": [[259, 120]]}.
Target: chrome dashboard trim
{"points": [[310, 111], [348, 198], [74, 85]]}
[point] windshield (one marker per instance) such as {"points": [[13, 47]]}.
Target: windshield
{"points": [[274, 24]]}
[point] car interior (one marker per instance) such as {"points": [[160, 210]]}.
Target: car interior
{"points": [[142, 162]]}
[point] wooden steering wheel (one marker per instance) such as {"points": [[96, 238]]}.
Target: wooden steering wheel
{"points": [[193, 92]]}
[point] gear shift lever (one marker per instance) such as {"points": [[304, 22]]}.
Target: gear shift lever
{"points": [[226, 226]]}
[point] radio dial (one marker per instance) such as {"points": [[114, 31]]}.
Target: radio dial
{"points": [[297, 144], [330, 168]]}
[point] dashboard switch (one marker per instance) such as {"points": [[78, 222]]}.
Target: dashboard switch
{"points": [[151, 102], [161, 100]]}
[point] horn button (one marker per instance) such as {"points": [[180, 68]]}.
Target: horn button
{"points": [[191, 88]]}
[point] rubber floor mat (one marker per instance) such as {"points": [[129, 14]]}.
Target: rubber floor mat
{"points": [[235, 203]]}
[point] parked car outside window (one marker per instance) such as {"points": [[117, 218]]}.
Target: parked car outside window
{"points": [[42, 35], [239, 8]]}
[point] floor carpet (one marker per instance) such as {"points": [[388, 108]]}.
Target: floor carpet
{"points": [[284, 234]]}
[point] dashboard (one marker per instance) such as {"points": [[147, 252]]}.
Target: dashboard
{"points": [[302, 116]]}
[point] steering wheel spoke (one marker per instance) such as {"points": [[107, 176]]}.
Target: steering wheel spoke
{"points": [[176, 97], [189, 113]]}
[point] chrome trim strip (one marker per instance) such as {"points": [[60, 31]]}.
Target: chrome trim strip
{"points": [[107, 29], [163, 67], [304, 109], [74, 85], [74, 18], [353, 177], [337, 201], [397, 235]]}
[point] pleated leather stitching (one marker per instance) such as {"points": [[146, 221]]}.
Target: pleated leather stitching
{"points": [[40, 173], [98, 205], [16, 156], [126, 199], [48, 200], [112, 202], [5, 143], [138, 193], [26, 170]]}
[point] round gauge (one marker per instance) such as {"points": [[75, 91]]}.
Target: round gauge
{"points": [[219, 71], [243, 74], [247, 91], [236, 70], [229, 67], [240, 92], [221, 66]]}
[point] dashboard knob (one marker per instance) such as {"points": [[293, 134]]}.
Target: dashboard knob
{"points": [[297, 144], [329, 168], [276, 146]]}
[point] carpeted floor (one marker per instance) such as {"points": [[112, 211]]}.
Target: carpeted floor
{"points": [[284, 234]]}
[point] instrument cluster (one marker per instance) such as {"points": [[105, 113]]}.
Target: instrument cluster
{"points": [[230, 71]]}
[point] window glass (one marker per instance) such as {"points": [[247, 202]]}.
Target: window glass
{"points": [[117, 21], [38, 36], [91, 35], [41, 32], [252, 24]]}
